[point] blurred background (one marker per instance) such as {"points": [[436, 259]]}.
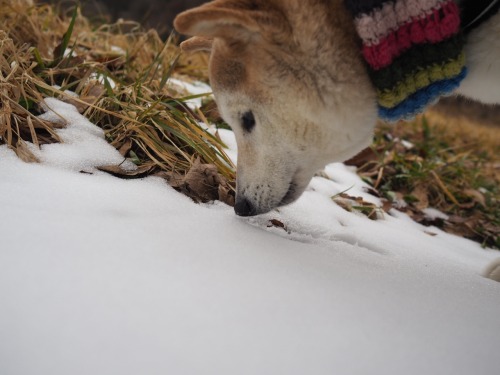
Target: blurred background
{"points": [[157, 14]]}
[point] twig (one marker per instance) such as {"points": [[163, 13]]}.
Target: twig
{"points": [[444, 188]]}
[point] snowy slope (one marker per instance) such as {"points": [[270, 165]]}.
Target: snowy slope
{"points": [[105, 276]]}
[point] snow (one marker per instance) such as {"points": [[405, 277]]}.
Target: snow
{"points": [[103, 79], [106, 276], [83, 145], [194, 88], [433, 214]]}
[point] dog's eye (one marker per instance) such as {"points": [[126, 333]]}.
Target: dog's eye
{"points": [[248, 121]]}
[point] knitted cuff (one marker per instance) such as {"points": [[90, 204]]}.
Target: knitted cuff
{"points": [[413, 50]]}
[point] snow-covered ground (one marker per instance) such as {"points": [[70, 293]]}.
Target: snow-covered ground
{"points": [[106, 276]]}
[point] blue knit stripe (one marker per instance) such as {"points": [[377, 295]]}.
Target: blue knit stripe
{"points": [[417, 102]]}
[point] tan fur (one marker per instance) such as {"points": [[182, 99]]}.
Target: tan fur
{"points": [[296, 65], [197, 43]]}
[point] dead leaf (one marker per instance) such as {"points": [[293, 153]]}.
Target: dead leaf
{"points": [[226, 194], [362, 158], [344, 203], [357, 204], [118, 171], [454, 219], [386, 205], [277, 224], [459, 230], [174, 179], [476, 195], [125, 147], [202, 183], [420, 194], [24, 153], [372, 191]]}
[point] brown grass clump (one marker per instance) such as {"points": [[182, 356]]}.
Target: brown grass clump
{"points": [[120, 73], [18, 91]]}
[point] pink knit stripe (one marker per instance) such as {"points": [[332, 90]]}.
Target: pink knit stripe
{"points": [[380, 22], [436, 27]]}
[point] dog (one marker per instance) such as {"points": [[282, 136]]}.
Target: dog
{"points": [[291, 79]]}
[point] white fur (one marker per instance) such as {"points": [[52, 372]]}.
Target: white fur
{"points": [[296, 65], [482, 53]]}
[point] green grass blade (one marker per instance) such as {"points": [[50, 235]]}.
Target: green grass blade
{"points": [[61, 48]]}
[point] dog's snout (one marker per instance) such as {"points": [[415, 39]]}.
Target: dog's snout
{"points": [[244, 207]]}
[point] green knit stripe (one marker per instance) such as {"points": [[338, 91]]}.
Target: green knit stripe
{"points": [[415, 59], [424, 76]]}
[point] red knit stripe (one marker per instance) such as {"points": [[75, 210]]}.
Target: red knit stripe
{"points": [[436, 27], [379, 23]]}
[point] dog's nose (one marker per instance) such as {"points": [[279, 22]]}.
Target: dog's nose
{"points": [[243, 207]]}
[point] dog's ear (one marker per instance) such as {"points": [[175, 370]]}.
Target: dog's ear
{"points": [[229, 19], [197, 43]]}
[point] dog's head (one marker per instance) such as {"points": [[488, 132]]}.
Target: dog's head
{"points": [[292, 86]]}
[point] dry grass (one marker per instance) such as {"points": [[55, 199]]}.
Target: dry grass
{"points": [[434, 162], [120, 73]]}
